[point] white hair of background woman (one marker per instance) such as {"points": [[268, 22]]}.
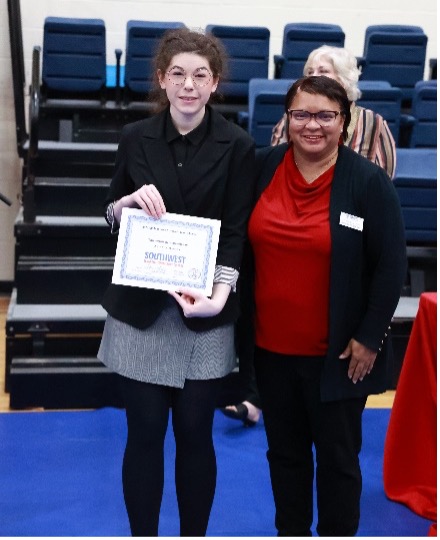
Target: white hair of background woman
{"points": [[344, 64]]}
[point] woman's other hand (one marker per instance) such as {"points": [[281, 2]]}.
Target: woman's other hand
{"points": [[146, 197], [150, 200], [361, 360], [195, 304]]}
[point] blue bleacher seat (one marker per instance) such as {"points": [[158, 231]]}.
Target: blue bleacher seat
{"points": [[433, 68], [74, 56], [368, 85], [299, 40], [424, 112], [248, 51], [382, 98], [416, 185], [141, 41], [394, 53], [266, 107]]}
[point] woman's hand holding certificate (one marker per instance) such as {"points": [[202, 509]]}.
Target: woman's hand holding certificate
{"points": [[196, 304]]}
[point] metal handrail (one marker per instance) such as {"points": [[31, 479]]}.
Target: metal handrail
{"points": [[34, 114], [18, 73]]}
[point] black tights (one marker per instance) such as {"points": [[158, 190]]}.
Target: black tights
{"points": [[147, 409]]}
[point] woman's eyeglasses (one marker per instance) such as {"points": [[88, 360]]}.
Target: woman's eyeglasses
{"points": [[178, 76], [324, 118]]}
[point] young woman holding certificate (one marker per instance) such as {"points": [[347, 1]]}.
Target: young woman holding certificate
{"points": [[187, 159]]}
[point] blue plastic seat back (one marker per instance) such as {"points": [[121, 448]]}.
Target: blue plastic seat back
{"points": [[416, 185], [373, 85], [395, 53], [384, 100], [424, 110], [266, 107], [74, 54], [141, 42], [248, 51], [300, 39]]}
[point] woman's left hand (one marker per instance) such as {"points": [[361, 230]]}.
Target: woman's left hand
{"points": [[361, 360], [195, 304]]}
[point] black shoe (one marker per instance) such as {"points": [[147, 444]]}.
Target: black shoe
{"points": [[240, 414]]}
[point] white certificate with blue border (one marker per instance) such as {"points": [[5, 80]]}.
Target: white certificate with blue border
{"points": [[169, 253]]}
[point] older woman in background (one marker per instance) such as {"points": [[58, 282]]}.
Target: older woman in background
{"points": [[368, 132]]}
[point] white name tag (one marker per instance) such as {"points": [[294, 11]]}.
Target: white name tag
{"points": [[353, 222]]}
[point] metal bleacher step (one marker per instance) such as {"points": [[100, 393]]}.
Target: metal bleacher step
{"points": [[406, 309], [62, 280], [65, 158], [70, 196], [66, 382], [64, 235], [51, 355], [53, 318], [401, 326], [61, 383], [76, 151]]}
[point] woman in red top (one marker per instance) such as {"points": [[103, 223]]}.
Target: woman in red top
{"points": [[367, 133], [320, 286]]}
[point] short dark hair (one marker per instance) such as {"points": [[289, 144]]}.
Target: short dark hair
{"points": [[323, 86], [184, 40]]}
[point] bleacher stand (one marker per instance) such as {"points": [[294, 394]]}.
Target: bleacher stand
{"points": [[74, 58], [394, 53], [421, 124], [248, 51], [383, 99], [416, 185], [266, 107], [141, 41], [299, 40], [64, 252]]}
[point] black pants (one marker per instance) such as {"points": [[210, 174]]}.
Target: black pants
{"points": [[147, 409], [295, 420], [248, 383]]}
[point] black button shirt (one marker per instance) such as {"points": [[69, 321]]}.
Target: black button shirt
{"points": [[184, 149]]}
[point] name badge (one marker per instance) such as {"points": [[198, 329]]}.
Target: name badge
{"points": [[352, 222]]}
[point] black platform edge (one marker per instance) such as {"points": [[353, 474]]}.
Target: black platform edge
{"points": [[53, 318], [6, 287], [72, 226], [62, 280], [401, 326], [428, 253], [76, 387]]}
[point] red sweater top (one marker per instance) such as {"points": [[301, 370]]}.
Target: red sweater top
{"points": [[290, 235]]}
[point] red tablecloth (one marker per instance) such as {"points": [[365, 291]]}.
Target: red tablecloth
{"points": [[410, 456]]}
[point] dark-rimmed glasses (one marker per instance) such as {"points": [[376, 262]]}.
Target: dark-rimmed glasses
{"points": [[178, 76], [324, 118]]}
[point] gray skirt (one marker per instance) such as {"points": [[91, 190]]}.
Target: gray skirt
{"points": [[167, 352]]}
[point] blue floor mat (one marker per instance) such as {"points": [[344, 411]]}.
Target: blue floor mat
{"points": [[61, 476]]}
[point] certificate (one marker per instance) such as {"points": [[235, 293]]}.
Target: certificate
{"points": [[169, 253]]}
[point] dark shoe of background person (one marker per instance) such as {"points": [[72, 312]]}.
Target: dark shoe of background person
{"points": [[241, 412]]}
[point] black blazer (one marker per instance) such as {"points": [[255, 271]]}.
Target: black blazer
{"points": [[224, 174], [367, 269]]}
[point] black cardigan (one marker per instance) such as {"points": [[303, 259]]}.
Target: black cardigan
{"points": [[367, 269]]}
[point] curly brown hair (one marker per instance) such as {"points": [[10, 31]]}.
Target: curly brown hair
{"points": [[184, 40]]}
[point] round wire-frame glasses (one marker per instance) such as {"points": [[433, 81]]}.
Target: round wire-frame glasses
{"points": [[200, 77]]}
